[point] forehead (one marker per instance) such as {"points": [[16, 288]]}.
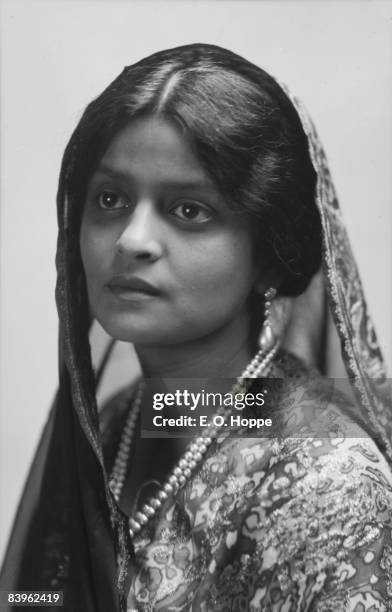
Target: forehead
{"points": [[153, 149]]}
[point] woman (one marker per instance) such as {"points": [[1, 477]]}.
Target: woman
{"points": [[195, 204]]}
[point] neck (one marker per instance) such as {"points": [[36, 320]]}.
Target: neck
{"points": [[221, 354]]}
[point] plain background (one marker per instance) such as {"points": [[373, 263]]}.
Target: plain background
{"points": [[57, 55]]}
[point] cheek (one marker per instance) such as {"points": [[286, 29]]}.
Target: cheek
{"points": [[95, 249], [220, 274]]}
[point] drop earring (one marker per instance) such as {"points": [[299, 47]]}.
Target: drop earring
{"points": [[268, 337]]}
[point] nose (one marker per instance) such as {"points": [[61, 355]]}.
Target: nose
{"points": [[140, 238]]}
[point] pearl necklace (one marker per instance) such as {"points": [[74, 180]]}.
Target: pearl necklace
{"points": [[181, 473]]}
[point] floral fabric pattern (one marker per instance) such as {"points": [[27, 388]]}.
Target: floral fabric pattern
{"points": [[275, 524]]}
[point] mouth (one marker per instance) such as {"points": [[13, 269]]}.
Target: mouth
{"points": [[132, 288]]}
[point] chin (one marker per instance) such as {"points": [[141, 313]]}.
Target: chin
{"points": [[150, 333], [137, 334], [129, 334]]}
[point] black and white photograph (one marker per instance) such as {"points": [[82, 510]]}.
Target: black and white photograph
{"points": [[195, 305]]}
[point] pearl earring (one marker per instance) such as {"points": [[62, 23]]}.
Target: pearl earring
{"points": [[268, 337]]}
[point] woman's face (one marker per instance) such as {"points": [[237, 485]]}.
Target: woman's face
{"points": [[166, 260]]}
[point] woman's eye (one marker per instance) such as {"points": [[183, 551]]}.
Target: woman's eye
{"points": [[110, 200], [192, 212]]}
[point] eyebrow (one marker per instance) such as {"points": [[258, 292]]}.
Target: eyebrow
{"points": [[123, 175]]}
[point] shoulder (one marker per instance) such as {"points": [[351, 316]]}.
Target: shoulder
{"points": [[316, 510]]}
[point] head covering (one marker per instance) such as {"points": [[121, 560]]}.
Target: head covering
{"points": [[360, 349], [69, 533]]}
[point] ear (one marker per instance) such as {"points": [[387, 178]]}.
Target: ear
{"points": [[267, 278]]}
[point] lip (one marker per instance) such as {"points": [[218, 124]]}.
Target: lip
{"points": [[131, 287]]}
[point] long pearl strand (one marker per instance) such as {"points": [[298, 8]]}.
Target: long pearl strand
{"points": [[194, 454]]}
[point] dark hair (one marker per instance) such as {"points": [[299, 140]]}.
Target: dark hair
{"points": [[245, 132]]}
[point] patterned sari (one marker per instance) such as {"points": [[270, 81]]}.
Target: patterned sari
{"points": [[298, 521]]}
